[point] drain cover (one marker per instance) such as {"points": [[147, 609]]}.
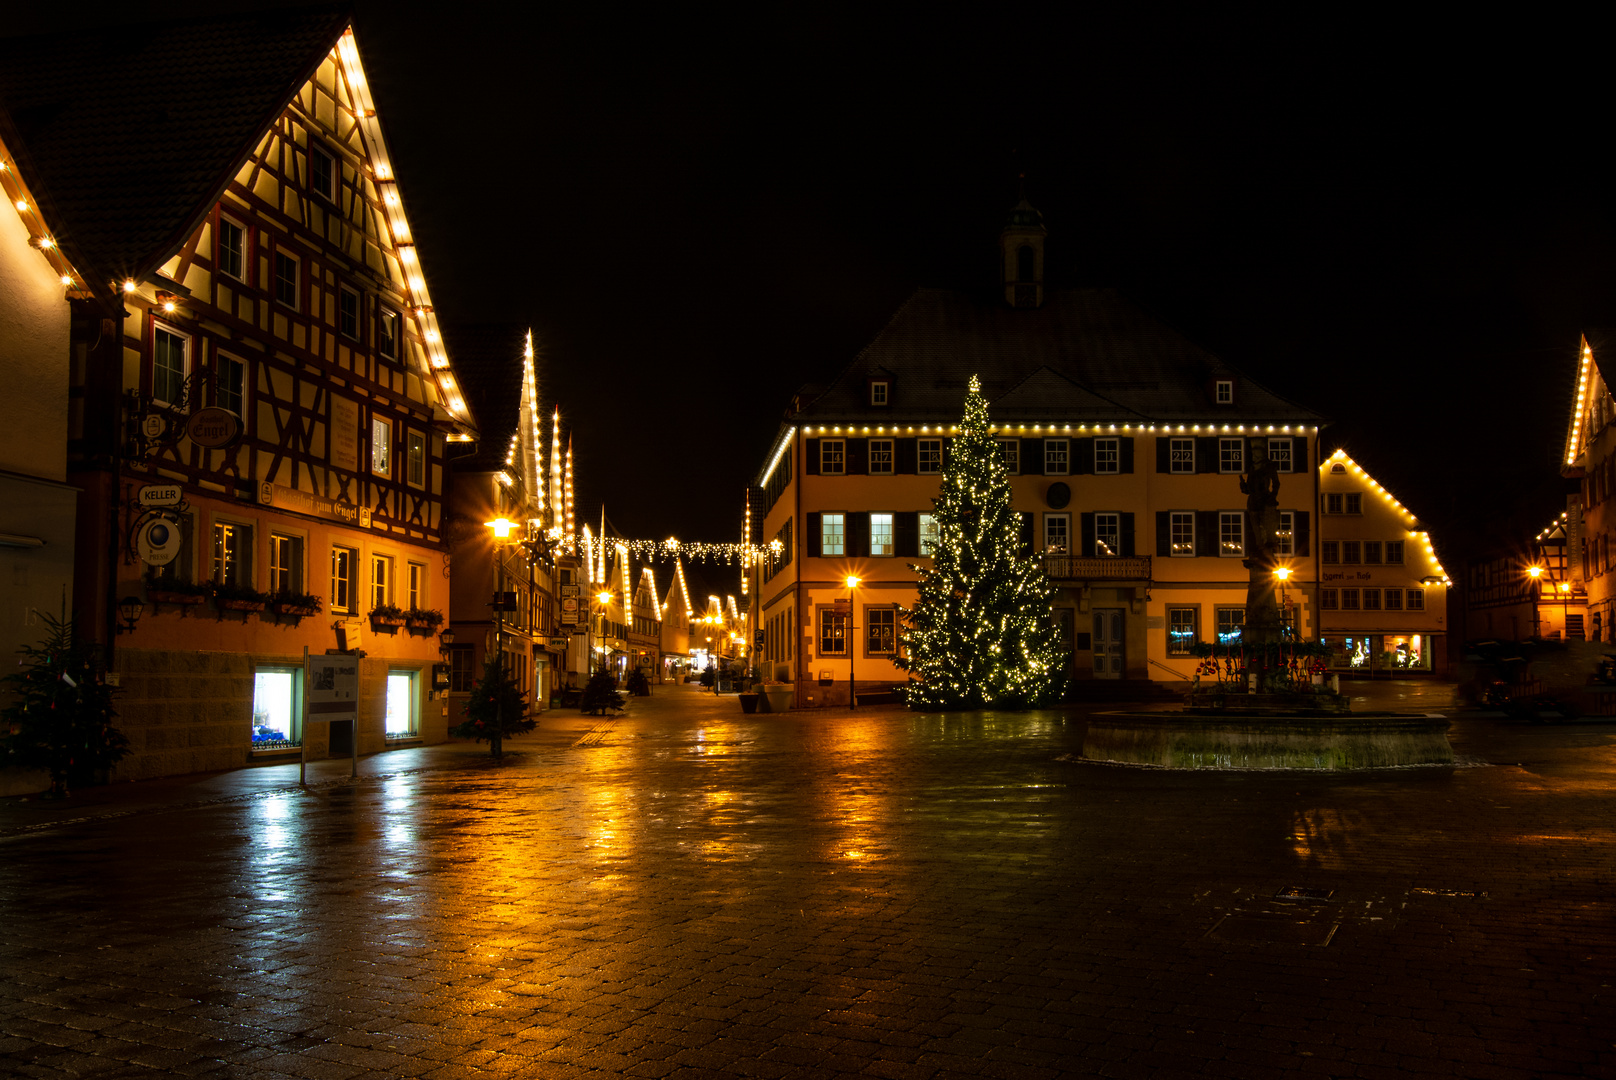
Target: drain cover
{"points": [[1296, 892]]}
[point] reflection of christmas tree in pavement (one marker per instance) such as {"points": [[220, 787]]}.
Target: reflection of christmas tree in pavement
{"points": [[980, 635]]}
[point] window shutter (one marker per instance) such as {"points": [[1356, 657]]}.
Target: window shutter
{"points": [[1032, 457], [858, 534], [1206, 528], [1164, 455], [1299, 530], [1027, 519], [1082, 457], [1206, 456], [810, 467], [905, 457], [1127, 533], [906, 534], [1087, 532], [814, 534], [1164, 532], [1126, 463], [858, 457], [1299, 455]]}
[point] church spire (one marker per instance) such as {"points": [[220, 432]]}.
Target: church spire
{"points": [[1021, 254]]}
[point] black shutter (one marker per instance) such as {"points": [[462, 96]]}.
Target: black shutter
{"points": [[1206, 453], [858, 457], [1164, 529], [1032, 457], [1126, 464], [1164, 455], [1087, 532], [1127, 534], [858, 534], [906, 534], [904, 457], [1082, 457], [810, 467], [1299, 531], [814, 533], [1299, 455], [1206, 530], [1027, 519]]}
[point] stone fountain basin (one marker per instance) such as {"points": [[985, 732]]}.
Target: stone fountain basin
{"points": [[1225, 739]]}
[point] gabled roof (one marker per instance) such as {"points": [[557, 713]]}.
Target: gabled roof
{"points": [[488, 357], [128, 135], [1047, 392], [1406, 515], [1095, 339], [1596, 364]]}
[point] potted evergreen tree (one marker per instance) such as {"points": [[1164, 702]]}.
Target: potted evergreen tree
{"points": [[61, 717]]}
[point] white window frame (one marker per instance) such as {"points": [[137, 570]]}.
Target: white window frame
{"points": [[1223, 391], [826, 531], [1194, 630], [391, 723], [221, 363], [1349, 599], [882, 524], [297, 279], [1354, 502], [1330, 552], [285, 561], [1175, 519], [929, 456], [832, 457], [1057, 457], [382, 580], [1177, 463], [1107, 456], [178, 389], [1329, 600], [381, 445], [1413, 599], [230, 553], [1064, 520], [219, 263], [1227, 520], [1351, 553], [880, 392], [832, 627], [1285, 541], [344, 579], [1235, 448], [1394, 600], [882, 447], [1394, 547], [1110, 522], [389, 345], [930, 535], [1010, 455], [416, 584], [294, 732], [888, 617], [1282, 460], [1333, 502]]}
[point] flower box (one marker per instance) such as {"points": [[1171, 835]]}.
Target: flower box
{"points": [[180, 599], [296, 611], [227, 604], [389, 622], [425, 626]]}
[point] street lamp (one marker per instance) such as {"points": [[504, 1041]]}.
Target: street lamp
{"points": [[1535, 572], [502, 527], [1283, 574], [604, 597], [852, 645]]}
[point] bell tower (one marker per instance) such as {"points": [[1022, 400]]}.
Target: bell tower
{"points": [[1021, 255]]}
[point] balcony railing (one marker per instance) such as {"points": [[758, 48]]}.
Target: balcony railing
{"points": [[1091, 568]]}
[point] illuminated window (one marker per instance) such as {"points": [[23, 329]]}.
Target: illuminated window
{"points": [[1181, 635], [169, 366], [832, 534], [1285, 541], [832, 633], [1057, 533], [832, 457], [230, 383], [232, 254], [880, 457], [1394, 552], [881, 534], [1231, 533], [1010, 455], [277, 699], [1224, 393], [1231, 455], [1231, 621], [387, 333], [232, 554], [1107, 456], [286, 269], [881, 634], [1181, 455], [930, 456], [344, 589], [415, 458], [285, 564], [381, 446], [348, 313], [400, 718], [1182, 533], [322, 173], [1107, 534], [928, 535], [1057, 457]]}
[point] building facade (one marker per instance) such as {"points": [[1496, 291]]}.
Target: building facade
{"points": [[1589, 460], [1125, 444]]}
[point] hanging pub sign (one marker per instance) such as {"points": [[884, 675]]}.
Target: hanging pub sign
{"points": [[559, 644], [158, 541], [213, 427], [569, 606], [152, 425]]}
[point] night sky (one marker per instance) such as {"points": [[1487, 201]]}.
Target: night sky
{"points": [[1401, 227]]}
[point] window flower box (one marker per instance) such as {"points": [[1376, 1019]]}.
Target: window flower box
{"points": [[423, 620], [295, 611], [386, 618], [227, 603], [178, 599]]}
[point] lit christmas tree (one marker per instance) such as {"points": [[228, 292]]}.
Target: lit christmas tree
{"points": [[980, 635], [60, 715]]}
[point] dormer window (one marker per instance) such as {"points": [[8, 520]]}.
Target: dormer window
{"points": [[880, 392], [1223, 392]]}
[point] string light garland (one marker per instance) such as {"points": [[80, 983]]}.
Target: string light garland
{"points": [[1418, 535], [39, 234], [980, 634]]}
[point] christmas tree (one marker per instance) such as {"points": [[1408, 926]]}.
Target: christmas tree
{"points": [[497, 709], [60, 718], [980, 635]]}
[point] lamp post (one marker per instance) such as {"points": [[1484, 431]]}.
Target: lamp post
{"points": [[852, 644], [604, 598], [1535, 572], [502, 530], [1283, 575]]}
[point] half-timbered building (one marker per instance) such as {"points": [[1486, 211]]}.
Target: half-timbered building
{"points": [[261, 402]]}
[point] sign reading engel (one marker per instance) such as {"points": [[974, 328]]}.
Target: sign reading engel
{"points": [[213, 427], [282, 497]]}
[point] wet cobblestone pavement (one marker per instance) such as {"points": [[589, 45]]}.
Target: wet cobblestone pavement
{"points": [[688, 891]]}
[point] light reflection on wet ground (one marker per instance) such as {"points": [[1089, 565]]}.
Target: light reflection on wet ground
{"points": [[824, 891]]}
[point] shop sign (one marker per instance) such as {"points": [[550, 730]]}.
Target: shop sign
{"points": [[161, 495], [213, 427], [158, 541], [282, 497], [152, 425], [558, 644], [572, 590]]}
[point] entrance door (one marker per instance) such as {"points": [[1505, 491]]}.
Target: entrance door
{"points": [[1108, 627]]}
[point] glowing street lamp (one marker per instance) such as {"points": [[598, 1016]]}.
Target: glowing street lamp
{"points": [[852, 643]]}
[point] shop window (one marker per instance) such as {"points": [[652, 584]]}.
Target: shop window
{"points": [[1183, 533], [832, 457], [928, 535], [880, 457], [1107, 456], [832, 633], [285, 563], [1231, 621], [881, 631], [832, 534], [169, 367], [1231, 533], [881, 534], [400, 703], [1181, 635], [277, 704], [1181, 455], [232, 555], [1231, 455], [232, 253], [1057, 457], [930, 456], [1057, 533], [1010, 455]]}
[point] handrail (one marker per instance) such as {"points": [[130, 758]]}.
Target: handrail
{"points": [[1170, 671]]}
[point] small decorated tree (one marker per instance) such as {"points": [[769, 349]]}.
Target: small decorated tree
{"points": [[497, 709], [980, 634], [61, 717], [600, 694], [638, 683]]}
